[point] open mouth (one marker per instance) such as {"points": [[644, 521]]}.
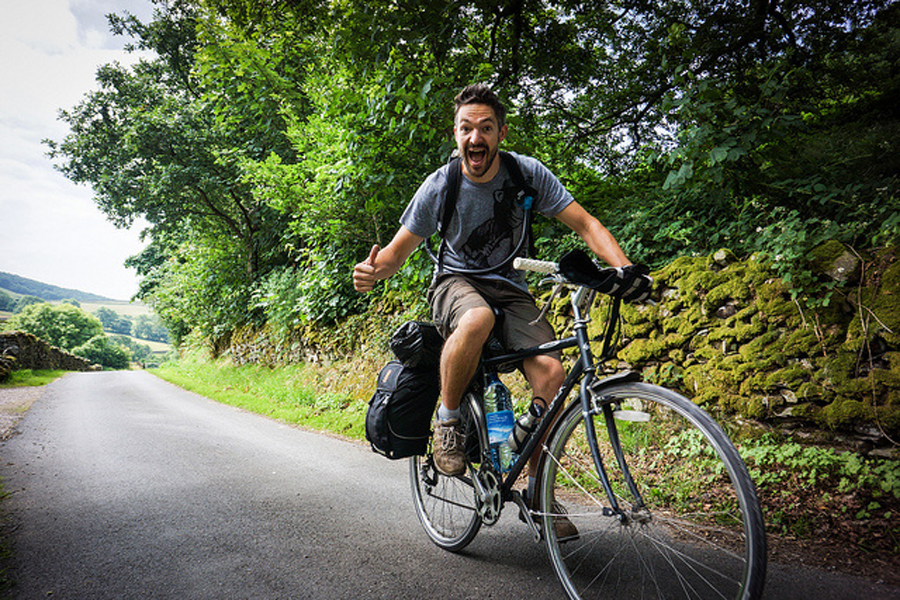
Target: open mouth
{"points": [[477, 156]]}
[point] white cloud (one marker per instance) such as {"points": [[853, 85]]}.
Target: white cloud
{"points": [[50, 229]]}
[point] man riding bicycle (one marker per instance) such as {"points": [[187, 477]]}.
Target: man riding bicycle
{"points": [[484, 231]]}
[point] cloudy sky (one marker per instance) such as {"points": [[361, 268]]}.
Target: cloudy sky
{"points": [[50, 229]]}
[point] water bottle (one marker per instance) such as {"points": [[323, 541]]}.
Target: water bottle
{"points": [[525, 424], [499, 415]]}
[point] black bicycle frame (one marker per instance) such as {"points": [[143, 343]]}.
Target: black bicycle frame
{"points": [[583, 368]]}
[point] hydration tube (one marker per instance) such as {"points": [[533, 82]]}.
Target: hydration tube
{"points": [[527, 201]]}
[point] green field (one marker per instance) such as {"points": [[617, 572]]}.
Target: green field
{"points": [[130, 309], [121, 307]]}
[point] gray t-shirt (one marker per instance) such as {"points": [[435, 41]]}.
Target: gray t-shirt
{"points": [[487, 224]]}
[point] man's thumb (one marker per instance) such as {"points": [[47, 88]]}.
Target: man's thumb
{"points": [[372, 255]]}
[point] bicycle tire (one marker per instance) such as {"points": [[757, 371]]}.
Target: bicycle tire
{"points": [[701, 533], [446, 506]]}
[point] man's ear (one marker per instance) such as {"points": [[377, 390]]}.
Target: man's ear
{"points": [[503, 131]]}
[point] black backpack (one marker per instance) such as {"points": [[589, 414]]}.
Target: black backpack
{"points": [[398, 419]]}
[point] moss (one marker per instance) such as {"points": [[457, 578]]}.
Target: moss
{"points": [[886, 306], [654, 347], [764, 351], [822, 257], [746, 330], [790, 377], [636, 330], [640, 351], [805, 410], [772, 357], [809, 390], [753, 407], [844, 413], [840, 367], [802, 342]]}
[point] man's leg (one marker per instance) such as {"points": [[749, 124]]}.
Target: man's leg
{"points": [[545, 374], [466, 320], [461, 353]]}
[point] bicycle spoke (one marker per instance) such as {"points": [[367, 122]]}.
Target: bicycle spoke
{"points": [[698, 532], [446, 506]]}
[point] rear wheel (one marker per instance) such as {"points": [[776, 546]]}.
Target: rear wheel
{"points": [[698, 532], [446, 506]]}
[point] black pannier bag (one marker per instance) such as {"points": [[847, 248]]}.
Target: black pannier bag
{"points": [[417, 343], [398, 420]]}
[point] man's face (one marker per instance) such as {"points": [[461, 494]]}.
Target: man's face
{"points": [[478, 138]]}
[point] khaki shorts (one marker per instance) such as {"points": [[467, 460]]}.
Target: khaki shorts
{"points": [[452, 295]]}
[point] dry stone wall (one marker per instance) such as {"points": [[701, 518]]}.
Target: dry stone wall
{"points": [[19, 350], [730, 335]]}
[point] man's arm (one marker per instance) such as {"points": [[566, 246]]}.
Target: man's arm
{"points": [[381, 264], [595, 235]]}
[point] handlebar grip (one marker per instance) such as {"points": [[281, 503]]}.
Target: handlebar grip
{"points": [[538, 266]]}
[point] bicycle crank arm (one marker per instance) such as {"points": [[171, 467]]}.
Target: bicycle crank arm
{"points": [[525, 514]]}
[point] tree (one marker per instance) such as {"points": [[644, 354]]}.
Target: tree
{"points": [[113, 321], [270, 145], [7, 303], [150, 327], [61, 325], [103, 351], [25, 301]]}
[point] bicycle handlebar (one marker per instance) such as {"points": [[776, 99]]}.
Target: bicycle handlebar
{"points": [[538, 266]]}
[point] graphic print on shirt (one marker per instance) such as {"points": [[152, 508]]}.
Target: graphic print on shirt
{"points": [[493, 241]]}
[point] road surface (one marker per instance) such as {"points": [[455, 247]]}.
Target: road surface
{"points": [[123, 486]]}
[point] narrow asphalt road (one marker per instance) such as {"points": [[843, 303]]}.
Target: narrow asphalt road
{"points": [[123, 486]]}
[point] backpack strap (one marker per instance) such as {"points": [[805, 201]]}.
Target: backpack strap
{"points": [[524, 195], [448, 207]]}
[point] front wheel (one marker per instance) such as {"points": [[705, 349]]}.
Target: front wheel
{"points": [[447, 506], [695, 528]]}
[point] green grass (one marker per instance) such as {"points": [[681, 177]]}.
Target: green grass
{"points": [[131, 309], [27, 377], [294, 394]]}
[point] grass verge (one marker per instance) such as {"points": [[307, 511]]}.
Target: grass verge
{"points": [[27, 378], [299, 394]]}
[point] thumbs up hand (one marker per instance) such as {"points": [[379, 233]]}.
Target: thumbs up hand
{"points": [[364, 272]]}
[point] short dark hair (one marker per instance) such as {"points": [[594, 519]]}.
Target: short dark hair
{"points": [[480, 93]]}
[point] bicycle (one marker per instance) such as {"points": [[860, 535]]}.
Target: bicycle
{"points": [[662, 501]]}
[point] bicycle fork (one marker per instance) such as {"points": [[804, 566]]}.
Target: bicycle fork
{"points": [[594, 403]]}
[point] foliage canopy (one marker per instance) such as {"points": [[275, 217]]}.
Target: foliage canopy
{"points": [[62, 325], [269, 146]]}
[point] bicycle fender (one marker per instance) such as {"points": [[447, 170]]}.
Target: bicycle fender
{"points": [[597, 386]]}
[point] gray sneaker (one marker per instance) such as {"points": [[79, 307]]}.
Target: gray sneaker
{"points": [[449, 447]]}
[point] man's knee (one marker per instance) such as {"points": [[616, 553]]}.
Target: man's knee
{"points": [[476, 323]]}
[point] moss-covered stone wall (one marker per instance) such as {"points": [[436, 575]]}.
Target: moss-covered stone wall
{"points": [[20, 350], [725, 332], [729, 334]]}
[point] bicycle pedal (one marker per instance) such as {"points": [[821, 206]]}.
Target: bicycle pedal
{"points": [[636, 416]]}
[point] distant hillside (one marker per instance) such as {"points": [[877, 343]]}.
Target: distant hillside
{"points": [[45, 291]]}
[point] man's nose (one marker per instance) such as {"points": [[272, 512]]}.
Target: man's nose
{"points": [[476, 137]]}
